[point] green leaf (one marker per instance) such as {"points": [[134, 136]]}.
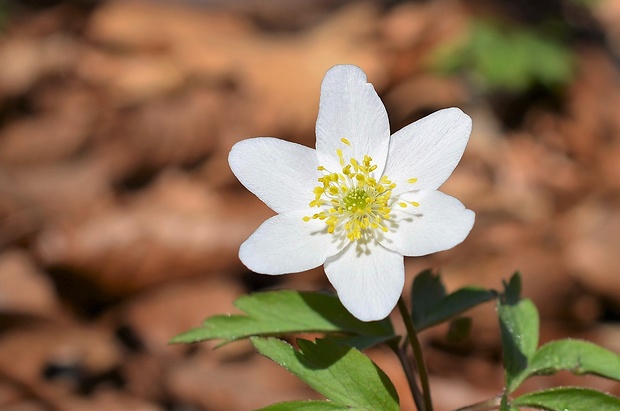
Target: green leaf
{"points": [[578, 357], [519, 325], [341, 373], [431, 306], [519, 333], [512, 289], [454, 304], [362, 342], [459, 330], [509, 58], [306, 406], [569, 399], [426, 292], [285, 312]]}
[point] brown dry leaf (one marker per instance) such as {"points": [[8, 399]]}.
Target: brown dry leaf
{"points": [[592, 121], [164, 312], [24, 289], [144, 25], [32, 353], [181, 229], [271, 71], [607, 12], [27, 405], [281, 70], [43, 139], [31, 198], [107, 400], [179, 130], [157, 315], [411, 32], [24, 61], [11, 395], [159, 34], [130, 79], [208, 383], [591, 252], [421, 94]]}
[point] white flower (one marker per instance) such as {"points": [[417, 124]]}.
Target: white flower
{"points": [[359, 202]]}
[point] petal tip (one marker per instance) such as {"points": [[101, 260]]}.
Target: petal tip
{"points": [[371, 316], [240, 149], [346, 71], [459, 116]]}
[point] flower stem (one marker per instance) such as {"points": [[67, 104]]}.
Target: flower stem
{"points": [[417, 354], [488, 405], [418, 398]]}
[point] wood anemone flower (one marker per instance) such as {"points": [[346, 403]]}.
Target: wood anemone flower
{"points": [[359, 202]]}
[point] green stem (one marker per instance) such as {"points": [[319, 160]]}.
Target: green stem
{"points": [[417, 354], [488, 405], [418, 398]]}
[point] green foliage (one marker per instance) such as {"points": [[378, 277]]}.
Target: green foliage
{"points": [[501, 57], [287, 312], [459, 330], [349, 380], [505, 405], [431, 305], [519, 326], [578, 357], [306, 406], [569, 399], [345, 376]]}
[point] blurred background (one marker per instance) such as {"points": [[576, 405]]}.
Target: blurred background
{"points": [[120, 220]]}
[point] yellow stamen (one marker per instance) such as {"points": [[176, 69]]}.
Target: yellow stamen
{"points": [[352, 202]]}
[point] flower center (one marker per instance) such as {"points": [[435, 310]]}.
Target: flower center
{"points": [[353, 203], [356, 199]]}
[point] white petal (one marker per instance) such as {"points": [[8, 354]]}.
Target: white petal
{"points": [[282, 174], [368, 284], [428, 150], [350, 108], [439, 223], [287, 244]]}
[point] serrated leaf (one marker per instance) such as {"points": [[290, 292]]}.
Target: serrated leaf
{"points": [[362, 342], [431, 306], [426, 292], [306, 406], [341, 373], [519, 327], [454, 304], [578, 357], [512, 289], [284, 312], [569, 399]]}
